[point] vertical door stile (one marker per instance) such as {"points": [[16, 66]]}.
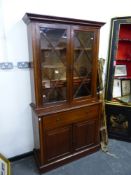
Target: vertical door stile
{"points": [[68, 63], [95, 62], [71, 62]]}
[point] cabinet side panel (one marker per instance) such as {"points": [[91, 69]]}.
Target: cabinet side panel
{"points": [[35, 71], [36, 131], [38, 139], [29, 30]]}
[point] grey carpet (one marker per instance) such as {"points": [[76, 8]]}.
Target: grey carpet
{"points": [[118, 162]]}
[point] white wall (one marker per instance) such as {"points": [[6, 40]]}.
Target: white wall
{"points": [[16, 135]]}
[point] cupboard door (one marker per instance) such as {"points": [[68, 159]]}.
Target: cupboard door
{"points": [[85, 134], [54, 52], [84, 56], [58, 142]]}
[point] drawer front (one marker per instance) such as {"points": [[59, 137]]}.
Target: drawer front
{"points": [[72, 116]]}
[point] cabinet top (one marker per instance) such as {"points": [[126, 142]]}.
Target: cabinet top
{"points": [[30, 17]]}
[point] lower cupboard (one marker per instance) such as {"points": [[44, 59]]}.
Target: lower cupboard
{"points": [[66, 135]]}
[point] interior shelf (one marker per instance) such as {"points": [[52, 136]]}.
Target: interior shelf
{"points": [[53, 66], [79, 49], [51, 48], [122, 77], [123, 59], [47, 84], [64, 48], [124, 39]]}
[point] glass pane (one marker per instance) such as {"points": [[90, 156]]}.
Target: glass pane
{"points": [[53, 56], [82, 70]]}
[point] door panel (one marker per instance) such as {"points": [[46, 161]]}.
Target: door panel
{"points": [[85, 134], [58, 142]]}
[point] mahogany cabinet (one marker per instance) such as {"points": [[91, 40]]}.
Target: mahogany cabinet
{"points": [[118, 82], [65, 104]]}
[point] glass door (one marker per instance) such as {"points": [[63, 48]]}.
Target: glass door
{"points": [[53, 46], [83, 55]]}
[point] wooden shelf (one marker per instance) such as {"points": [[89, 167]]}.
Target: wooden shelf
{"points": [[55, 48], [124, 39], [53, 83], [53, 66], [85, 49], [80, 79], [122, 77], [62, 82], [64, 48], [123, 59]]}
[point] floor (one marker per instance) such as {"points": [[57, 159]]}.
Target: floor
{"points": [[116, 162]]}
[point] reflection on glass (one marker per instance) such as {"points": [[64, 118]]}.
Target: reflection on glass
{"points": [[53, 56], [83, 53]]}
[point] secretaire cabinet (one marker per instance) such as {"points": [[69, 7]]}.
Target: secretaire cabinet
{"points": [[65, 104]]}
